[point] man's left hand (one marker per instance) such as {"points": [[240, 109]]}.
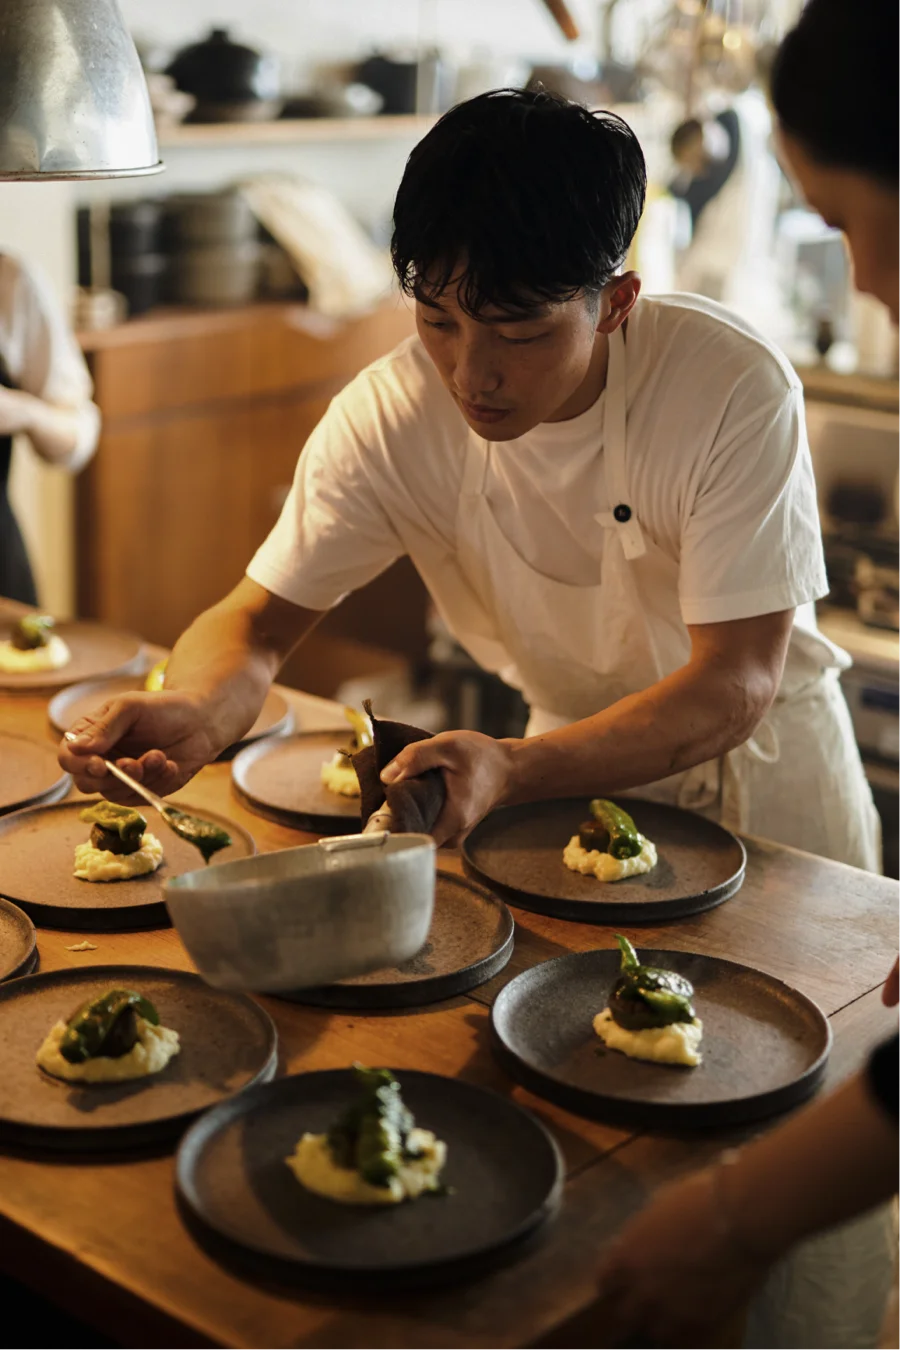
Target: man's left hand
{"points": [[477, 774]]}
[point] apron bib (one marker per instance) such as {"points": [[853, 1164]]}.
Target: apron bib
{"points": [[575, 650]]}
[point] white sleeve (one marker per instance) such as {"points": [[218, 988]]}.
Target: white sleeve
{"points": [[333, 534], [43, 357], [751, 543]]}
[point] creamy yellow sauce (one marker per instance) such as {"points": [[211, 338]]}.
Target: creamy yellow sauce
{"points": [[50, 657], [678, 1043], [314, 1167], [150, 1053], [339, 776], [591, 862], [98, 864]]}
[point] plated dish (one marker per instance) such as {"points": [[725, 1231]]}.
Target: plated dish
{"points": [[469, 942], [281, 779], [674, 862], [66, 651], [18, 942], [29, 773], [502, 1173], [50, 866], [87, 1067], [73, 703], [764, 1045]]}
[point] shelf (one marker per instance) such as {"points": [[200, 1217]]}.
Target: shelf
{"points": [[310, 130]]}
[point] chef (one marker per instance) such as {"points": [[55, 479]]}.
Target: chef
{"points": [[609, 497], [45, 395]]}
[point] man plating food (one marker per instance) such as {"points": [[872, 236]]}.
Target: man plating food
{"points": [[609, 497]]}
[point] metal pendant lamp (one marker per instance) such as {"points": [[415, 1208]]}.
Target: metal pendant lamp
{"points": [[73, 99]]}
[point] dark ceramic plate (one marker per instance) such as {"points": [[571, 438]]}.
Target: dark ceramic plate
{"points": [[281, 780], [37, 851], [70, 704], [518, 852], [227, 1043], [470, 941], [764, 1045], [29, 773], [18, 942], [95, 651], [503, 1168]]}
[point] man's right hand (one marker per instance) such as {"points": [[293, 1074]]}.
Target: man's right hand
{"points": [[161, 739]]}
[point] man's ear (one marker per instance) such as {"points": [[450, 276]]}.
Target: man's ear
{"points": [[619, 298]]}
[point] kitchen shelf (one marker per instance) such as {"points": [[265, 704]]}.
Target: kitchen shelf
{"points": [[292, 131]]}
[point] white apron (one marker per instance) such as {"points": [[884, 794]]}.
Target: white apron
{"points": [[575, 650]]}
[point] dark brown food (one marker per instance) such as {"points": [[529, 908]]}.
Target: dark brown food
{"points": [[416, 804], [593, 835]]}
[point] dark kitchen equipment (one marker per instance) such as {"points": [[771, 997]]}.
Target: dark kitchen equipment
{"points": [[141, 278], [135, 227], [229, 81]]}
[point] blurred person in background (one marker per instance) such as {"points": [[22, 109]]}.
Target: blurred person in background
{"points": [[834, 88], [45, 394]]}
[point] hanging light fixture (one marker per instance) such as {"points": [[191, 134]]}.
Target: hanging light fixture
{"points": [[73, 99]]}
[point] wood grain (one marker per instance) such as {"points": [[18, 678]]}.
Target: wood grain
{"points": [[205, 415], [105, 1241]]}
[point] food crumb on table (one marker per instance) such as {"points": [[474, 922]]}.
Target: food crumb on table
{"points": [[82, 947]]}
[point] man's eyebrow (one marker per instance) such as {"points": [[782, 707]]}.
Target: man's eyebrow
{"points": [[513, 316]]}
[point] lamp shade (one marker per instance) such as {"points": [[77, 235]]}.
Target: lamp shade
{"points": [[73, 99]]}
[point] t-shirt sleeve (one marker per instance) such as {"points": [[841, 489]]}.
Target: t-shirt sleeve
{"points": [[751, 542], [333, 534]]}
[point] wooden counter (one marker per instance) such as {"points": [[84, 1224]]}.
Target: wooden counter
{"points": [[104, 1241]]}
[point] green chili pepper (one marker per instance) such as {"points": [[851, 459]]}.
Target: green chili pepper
{"points": [[624, 839], [94, 1028], [31, 632], [372, 1134], [644, 996]]}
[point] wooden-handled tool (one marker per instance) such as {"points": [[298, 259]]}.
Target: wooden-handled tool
{"points": [[560, 11]]}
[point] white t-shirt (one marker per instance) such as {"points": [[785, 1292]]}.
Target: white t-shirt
{"points": [[41, 355], [718, 469]]}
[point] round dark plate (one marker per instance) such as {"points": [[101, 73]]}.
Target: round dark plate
{"points": [[37, 852], [70, 704], [504, 1169], [18, 941], [227, 1043], [29, 773], [96, 651], [470, 940], [280, 779], [518, 852], [764, 1044]]}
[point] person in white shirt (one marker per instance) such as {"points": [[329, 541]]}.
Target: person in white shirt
{"points": [[45, 394], [610, 499], [611, 502]]}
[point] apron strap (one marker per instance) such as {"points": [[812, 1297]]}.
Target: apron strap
{"points": [[621, 517]]}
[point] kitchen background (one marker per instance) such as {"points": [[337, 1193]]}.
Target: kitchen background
{"points": [[218, 323]]}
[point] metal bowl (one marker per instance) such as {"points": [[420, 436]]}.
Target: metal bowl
{"points": [[307, 916]]}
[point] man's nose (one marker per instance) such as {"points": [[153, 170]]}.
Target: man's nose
{"points": [[475, 372]]}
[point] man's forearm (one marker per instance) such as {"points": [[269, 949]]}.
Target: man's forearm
{"points": [[832, 1161], [229, 656], [695, 714]]}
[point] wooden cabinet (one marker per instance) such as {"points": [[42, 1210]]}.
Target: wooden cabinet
{"points": [[204, 416]]}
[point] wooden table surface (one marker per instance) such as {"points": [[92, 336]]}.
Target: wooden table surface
{"points": [[103, 1240]]}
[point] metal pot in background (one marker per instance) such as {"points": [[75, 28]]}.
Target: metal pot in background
{"points": [[215, 249], [231, 82]]}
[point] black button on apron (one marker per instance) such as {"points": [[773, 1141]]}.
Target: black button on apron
{"points": [[622, 513]]}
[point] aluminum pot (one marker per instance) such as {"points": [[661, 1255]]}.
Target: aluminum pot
{"points": [[307, 916]]}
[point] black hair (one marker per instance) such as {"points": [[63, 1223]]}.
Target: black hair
{"points": [[535, 199], [834, 85]]}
